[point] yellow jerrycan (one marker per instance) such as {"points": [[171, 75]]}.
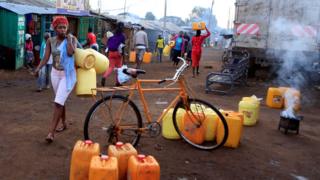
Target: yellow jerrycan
{"points": [[210, 124], [141, 167], [82, 153], [101, 63], [86, 80], [147, 57], [249, 107], [103, 167], [274, 98], [198, 25], [235, 126], [84, 59], [132, 56], [168, 130], [166, 50], [122, 152]]}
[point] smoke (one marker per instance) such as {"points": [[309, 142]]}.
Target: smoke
{"points": [[294, 44]]}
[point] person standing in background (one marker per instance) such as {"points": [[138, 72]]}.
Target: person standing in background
{"points": [[29, 59], [178, 49], [140, 41], [43, 78], [159, 47], [91, 40], [197, 41]]}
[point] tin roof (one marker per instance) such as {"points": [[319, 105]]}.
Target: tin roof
{"points": [[27, 9]]}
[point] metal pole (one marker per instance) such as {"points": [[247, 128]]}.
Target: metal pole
{"points": [[124, 9], [165, 14], [210, 19]]}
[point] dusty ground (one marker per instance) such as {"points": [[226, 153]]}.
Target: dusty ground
{"points": [[264, 153]]}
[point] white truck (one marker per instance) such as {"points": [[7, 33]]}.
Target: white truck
{"points": [[269, 29]]}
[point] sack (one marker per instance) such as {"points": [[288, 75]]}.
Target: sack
{"points": [[122, 77]]}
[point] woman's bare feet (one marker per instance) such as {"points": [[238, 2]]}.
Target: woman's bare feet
{"points": [[49, 138]]}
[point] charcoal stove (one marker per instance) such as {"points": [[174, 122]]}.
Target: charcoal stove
{"points": [[290, 123]]}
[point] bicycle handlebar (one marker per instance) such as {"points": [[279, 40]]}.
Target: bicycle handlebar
{"points": [[178, 73]]}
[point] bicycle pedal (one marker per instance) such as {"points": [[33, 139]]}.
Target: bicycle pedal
{"points": [[154, 129]]}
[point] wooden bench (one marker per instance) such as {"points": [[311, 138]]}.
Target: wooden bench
{"points": [[231, 74]]}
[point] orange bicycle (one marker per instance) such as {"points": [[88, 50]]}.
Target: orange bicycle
{"points": [[116, 117]]}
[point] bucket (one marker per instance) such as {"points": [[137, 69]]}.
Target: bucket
{"points": [[122, 152], [84, 59], [191, 130], [198, 25], [210, 124], [275, 98], [141, 167], [250, 109], [101, 63], [168, 130], [82, 153], [132, 57], [147, 57], [86, 80], [235, 126], [103, 166]]}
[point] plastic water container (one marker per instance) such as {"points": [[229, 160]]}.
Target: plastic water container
{"points": [[275, 98], [235, 126], [132, 57], [143, 167], [122, 152], [292, 96], [84, 59], [82, 153], [166, 50], [103, 167], [168, 130], [250, 110], [147, 57], [191, 130], [198, 25], [86, 80], [210, 124], [101, 63]]}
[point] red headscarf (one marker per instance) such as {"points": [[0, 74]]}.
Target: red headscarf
{"points": [[59, 20]]}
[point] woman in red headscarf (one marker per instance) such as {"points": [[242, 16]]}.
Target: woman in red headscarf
{"points": [[55, 46]]}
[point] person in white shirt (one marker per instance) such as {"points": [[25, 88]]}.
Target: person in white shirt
{"points": [[140, 41]]}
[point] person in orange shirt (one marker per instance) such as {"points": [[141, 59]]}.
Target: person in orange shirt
{"points": [[91, 40], [197, 41]]}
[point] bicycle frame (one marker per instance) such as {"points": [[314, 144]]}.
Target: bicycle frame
{"points": [[137, 86]]}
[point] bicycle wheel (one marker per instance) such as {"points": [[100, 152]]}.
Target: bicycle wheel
{"points": [[199, 123], [111, 119]]}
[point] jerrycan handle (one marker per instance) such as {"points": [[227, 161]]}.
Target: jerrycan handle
{"points": [[88, 142], [141, 157], [119, 144], [104, 157]]}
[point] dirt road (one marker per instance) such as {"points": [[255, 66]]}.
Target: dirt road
{"points": [[264, 153]]}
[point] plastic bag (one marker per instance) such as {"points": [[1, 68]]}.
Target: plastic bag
{"points": [[122, 77]]}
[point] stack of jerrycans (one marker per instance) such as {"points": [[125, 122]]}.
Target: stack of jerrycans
{"points": [[122, 152], [82, 153]]}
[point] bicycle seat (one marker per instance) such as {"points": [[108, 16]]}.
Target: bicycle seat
{"points": [[133, 72]]}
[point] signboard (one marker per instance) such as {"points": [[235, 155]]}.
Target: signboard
{"points": [[75, 7]]}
